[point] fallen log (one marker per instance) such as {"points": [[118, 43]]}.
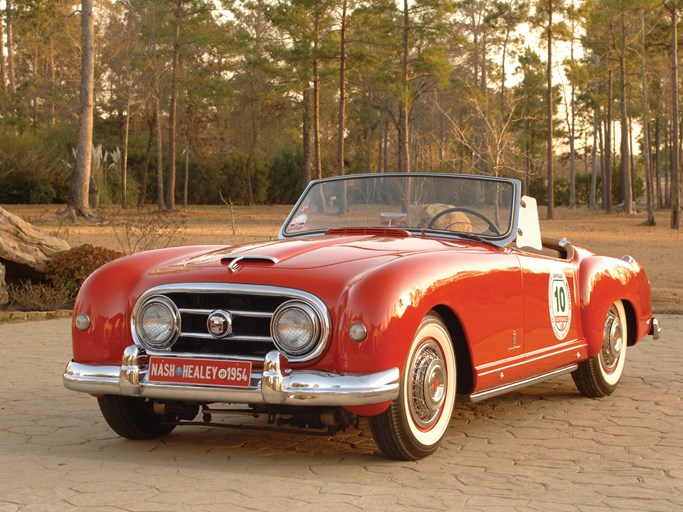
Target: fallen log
{"points": [[25, 249]]}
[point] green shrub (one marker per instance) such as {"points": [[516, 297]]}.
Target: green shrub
{"points": [[285, 179], [31, 168], [69, 269]]}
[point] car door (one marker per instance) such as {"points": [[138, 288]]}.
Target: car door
{"points": [[551, 310]]}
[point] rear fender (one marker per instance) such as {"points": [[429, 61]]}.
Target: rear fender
{"points": [[605, 280]]}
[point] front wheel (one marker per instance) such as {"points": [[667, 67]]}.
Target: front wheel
{"points": [[133, 417], [414, 424], [600, 375]]}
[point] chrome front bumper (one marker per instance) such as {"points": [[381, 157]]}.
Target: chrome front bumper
{"points": [[274, 385]]}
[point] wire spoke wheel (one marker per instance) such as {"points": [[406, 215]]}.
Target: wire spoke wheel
{"points": [[413, 426], [600, 375]]}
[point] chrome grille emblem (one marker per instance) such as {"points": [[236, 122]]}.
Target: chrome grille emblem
{"points": [[219, 324]]}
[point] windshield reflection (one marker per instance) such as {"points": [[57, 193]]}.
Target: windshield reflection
{"points": [[481, 207]]}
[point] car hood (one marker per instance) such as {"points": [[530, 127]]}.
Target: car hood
{"points": [[310, 253]]}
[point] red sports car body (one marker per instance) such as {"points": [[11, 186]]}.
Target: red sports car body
{"points": [[385, 296]]}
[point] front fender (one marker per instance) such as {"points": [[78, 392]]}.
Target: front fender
{"points": [[392, 300], [108, 297], [604, 280]]}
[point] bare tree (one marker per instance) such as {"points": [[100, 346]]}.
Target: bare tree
{"points": [[342, 91], [306, 134], [403, 104], [171, 178], [124, 166], [10, 47], [625, 159], [498, 152], [646, 125], [80, 180], [3, 72], [675, 165], [549, 99]]}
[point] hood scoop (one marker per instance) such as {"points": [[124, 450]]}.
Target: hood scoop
{"points": [[234, 263]]}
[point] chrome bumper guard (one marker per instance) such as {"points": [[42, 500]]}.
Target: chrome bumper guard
{"points": [[274, 385], [655, 329]]}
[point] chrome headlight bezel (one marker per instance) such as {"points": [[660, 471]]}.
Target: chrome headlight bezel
{"points": [[173, 323], [314, 331]]}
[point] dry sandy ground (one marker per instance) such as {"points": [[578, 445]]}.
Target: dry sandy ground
{"points": [[657, 248]]}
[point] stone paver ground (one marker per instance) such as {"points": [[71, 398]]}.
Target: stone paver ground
{"points": [[545, 448]]}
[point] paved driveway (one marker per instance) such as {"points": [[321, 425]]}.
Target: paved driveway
{"points": [[545, 449]]}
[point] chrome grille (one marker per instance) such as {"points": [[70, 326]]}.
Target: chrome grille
{"points": [[251, 307]]}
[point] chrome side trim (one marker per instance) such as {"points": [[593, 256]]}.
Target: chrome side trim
{"points": [[500, 390], [274, 385]]}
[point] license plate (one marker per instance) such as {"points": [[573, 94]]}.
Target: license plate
{"points": [[207, 372]]}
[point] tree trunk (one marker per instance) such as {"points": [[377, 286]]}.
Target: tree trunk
{"points": [[124, 166], [171, 177], [625, 158], [549, 99], [368, 148], [3, 68], [594, 162], [667, 168], [10, 46], [675, 167], [160, 166], [80, 180], [502, 73], [572, 140], [53, 82], [342, 92], [380, 144], [658, 143], [251, 155], [151, 123], [306, 135], [607, 171], [186, 188], [317, 158], [403, 123]]}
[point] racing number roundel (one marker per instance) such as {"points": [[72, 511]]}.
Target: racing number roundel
{"points": [[559, 303]]}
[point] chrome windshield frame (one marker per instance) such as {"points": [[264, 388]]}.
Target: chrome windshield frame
{"points": [[497, 240]]}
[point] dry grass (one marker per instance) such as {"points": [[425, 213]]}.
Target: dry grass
{"points": [[657, 248]]}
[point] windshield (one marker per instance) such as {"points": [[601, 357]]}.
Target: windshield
{"points": [[465, 206]]}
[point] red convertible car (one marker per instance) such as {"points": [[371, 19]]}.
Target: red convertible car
{"points": [[388, 296]]}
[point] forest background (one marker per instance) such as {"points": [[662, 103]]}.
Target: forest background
{"points": [[203, 101]]}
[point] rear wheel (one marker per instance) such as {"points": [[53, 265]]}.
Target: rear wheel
{"points": [[132, 417], [414, 424], [600, 375]]}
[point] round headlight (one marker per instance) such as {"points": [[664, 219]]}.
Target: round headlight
{"points": [[158, 323], [295, 328]]}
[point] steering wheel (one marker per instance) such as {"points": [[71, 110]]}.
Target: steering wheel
{"points": [[492, 227]]}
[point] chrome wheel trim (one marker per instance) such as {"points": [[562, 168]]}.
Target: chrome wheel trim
{"points": [[430, 429], [427, 385], [613, 352], [612, 341]]}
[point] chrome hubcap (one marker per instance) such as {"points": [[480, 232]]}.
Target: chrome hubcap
{"points": [[612, 341], [427, 385]]}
